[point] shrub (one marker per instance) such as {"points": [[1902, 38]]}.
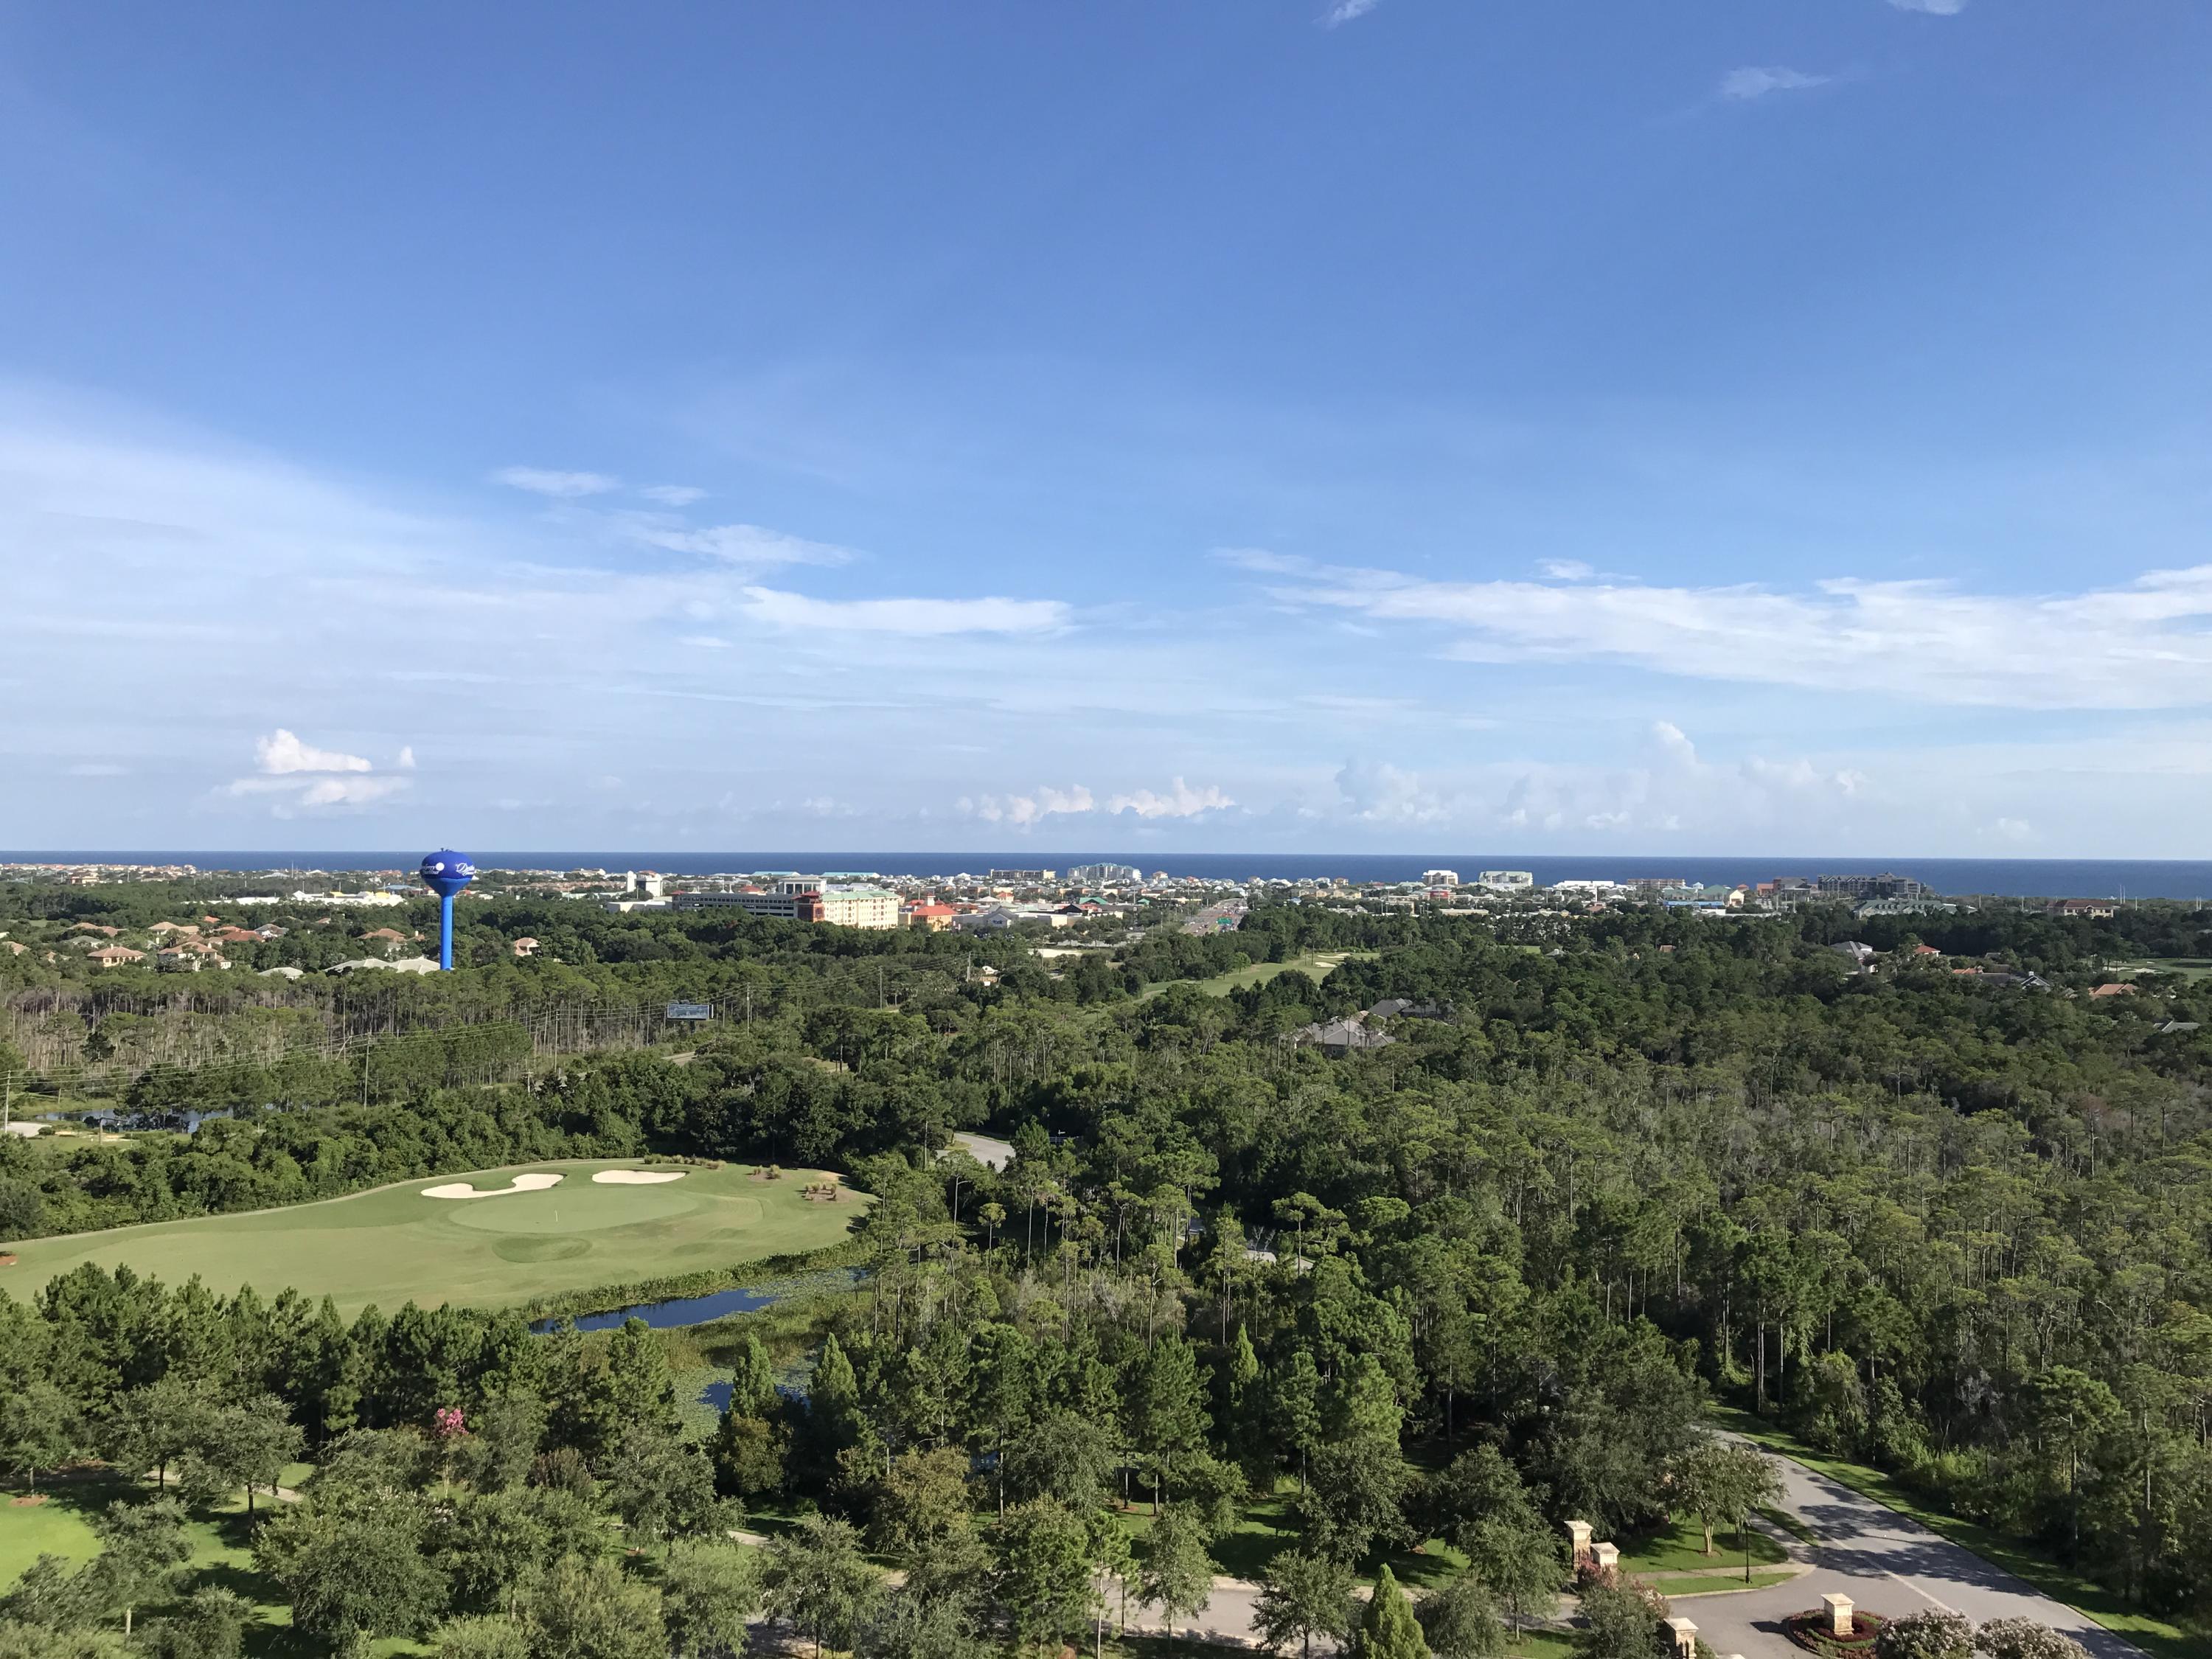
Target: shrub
{"points": [[1620, 1622], [1928, 1635], [2023, 1638], [1814, 1631]]}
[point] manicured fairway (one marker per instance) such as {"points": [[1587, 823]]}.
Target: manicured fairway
{"points": [[393, 1245], [1315, 965]]}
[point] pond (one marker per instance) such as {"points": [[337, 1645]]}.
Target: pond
{"points": [[667, 1315], [678, 1311]]}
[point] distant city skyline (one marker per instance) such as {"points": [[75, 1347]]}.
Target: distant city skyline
{"points": [[1276, 425]]}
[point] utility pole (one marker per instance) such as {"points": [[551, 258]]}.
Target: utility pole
{"points": [[366, 1048]]}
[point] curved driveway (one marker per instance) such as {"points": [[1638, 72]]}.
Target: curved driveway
{"points": [[1886, 1563]]}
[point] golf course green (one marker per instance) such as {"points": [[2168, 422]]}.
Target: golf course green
{"points": [[521, 1237]]}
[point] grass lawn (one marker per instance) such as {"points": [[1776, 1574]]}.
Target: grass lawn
{"points": [[1680, 1548], [393, 1245], [56, 1527], [1710, 1584], [1266, 1527], [2169, 1639], [222, 1554], [1263, 1528], [1783, 1521]]}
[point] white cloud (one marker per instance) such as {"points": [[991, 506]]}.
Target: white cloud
{"points": [[1666, 790], [1933, 8], [1259, 559], [2014, 829], [2144, 645], [281, 752], [1566, 570], [1023, 811], [1756, 83], [1379, 793], [562, 486], [747, 545], [920, 618], [407, 757], [299, 775], [673, 495], [1180, 801], [1670, 792], [351, 791], [1346, 11], [1674, 742]]}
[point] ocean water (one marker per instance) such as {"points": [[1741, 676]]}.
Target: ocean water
{"points": [[2175, 878]]}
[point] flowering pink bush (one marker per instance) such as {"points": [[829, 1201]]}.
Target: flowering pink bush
{"points": [[448, 1423]]}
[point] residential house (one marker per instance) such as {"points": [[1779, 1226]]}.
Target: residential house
{"points": [[1406, 1008], [115, 956], [1338, 1037], [525, 947], [2095, 910]]}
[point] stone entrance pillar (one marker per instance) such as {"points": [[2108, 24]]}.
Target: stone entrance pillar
{"points": [[1685, 1638], [1839, 1614], [1578, 1541]]}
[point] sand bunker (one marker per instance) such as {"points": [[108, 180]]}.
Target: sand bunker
{"points": [[637, 1178], [523, 1183]]}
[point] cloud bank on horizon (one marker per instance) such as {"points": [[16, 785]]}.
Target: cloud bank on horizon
{"points": [[1648, 452]]}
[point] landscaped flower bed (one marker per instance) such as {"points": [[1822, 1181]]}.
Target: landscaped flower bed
{"points": [[1815, 1631]]}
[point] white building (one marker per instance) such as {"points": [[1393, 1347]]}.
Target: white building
{"points": [[1439, 878], [1506, 881], [806, 898]]}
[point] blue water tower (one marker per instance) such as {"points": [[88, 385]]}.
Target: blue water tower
{"points": [[445, 872]]}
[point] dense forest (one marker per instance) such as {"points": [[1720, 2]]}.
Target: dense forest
{"points": [[1948, 1212]]}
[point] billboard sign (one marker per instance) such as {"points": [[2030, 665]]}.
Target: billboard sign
{"points": [[690, 1010]]}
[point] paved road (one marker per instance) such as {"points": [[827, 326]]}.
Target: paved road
{"points": [[1885, 1562]]}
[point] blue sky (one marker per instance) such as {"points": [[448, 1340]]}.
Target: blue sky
{"points": [[1266, 424]]}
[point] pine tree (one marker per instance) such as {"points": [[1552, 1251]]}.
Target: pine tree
{"points": [[1167, 1412], [1390, 1631], [753, 1385], [644, 1394]]}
